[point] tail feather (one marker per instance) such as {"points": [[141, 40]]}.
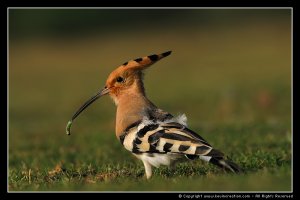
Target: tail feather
{"points": [[219, 161], [216, 157], [227, 164]]}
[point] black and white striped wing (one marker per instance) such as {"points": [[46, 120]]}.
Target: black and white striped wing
{"points": [[167, 137]]}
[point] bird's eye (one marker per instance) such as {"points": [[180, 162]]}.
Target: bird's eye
{"points": [[120, 79]]}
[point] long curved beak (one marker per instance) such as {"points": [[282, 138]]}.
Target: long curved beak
{"points": [[84, 106]]}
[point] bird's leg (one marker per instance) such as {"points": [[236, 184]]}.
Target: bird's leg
{"points": [[148, 169]]}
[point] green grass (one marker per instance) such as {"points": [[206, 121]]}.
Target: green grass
{"points": [[233, 83], [98, 162]]}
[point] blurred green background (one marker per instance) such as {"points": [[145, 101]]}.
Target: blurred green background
{"points": [[230, 73]]}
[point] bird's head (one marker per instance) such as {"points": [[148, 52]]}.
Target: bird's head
{"points": [[128, 77], [123, 80]]}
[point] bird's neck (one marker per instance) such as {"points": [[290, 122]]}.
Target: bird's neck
{"points": [[132, 107]]}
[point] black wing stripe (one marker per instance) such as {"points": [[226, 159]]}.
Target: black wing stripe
{"points": [[174, 136], [202, 150], [152, 149], [135, 149], [172, 125], [132, 125], [191, 157], [138, 141], [215, 153], [167, 147], [155, 136], [183, 147], [184, 130], [122, 137], [190, 132], [145, 129]]}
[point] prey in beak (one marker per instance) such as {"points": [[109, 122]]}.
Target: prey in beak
{"points": [[84, 106]]}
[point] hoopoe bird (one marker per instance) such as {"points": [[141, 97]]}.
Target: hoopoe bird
{"points": [[153, 135]]}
